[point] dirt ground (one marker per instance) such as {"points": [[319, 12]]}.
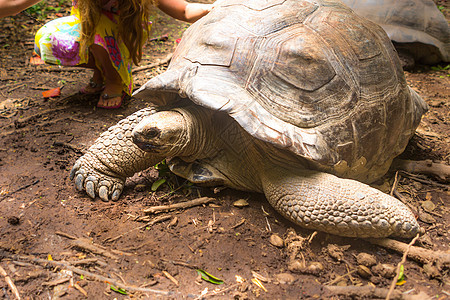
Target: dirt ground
{"points": [[49, 231]]}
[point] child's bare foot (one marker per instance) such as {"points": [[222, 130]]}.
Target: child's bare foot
{"points": [[111, 97], [92, 88], [95, 85]]}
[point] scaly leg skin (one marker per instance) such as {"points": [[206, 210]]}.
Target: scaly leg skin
{"points": [[338, 206], [111, 159]]}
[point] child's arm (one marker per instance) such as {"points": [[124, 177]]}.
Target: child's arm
{"points": [[12, 7], [184, 11]]}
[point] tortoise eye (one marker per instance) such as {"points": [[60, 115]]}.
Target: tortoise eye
{"points": [[152, 132]]}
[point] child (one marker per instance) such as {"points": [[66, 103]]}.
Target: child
{"points": [[107, 36]]}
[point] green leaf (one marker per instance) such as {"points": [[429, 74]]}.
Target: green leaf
{"points": [[208, 277], [163, 168], [118, 290], [401, 274], [157, 184]]}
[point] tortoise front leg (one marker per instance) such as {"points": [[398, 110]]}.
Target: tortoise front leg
{"points": [[339, 206], [111, 159]]}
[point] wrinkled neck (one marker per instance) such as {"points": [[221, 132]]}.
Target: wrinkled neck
{"points": [[199, 137]]}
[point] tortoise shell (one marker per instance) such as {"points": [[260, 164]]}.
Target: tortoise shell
{"points": [[415, 25], [308, 76]]}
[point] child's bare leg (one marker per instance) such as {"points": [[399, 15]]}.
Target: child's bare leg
{"points": [[96, 83], [113, 82]]}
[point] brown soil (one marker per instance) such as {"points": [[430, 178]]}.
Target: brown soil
{"points": [[41, 139]]}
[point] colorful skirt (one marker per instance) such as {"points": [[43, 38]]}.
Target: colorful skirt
{"points": [[58, 43]]}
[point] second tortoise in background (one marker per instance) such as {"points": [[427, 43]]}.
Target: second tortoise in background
{"points": [[417, 28]]}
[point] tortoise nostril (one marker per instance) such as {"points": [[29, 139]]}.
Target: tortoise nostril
{"points": [[152, 132]]}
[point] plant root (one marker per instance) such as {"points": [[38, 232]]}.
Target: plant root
{"points": [[421, 255]]}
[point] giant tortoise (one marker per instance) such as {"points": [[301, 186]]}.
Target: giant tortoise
{"points": [[301, 100], [416, 27]]}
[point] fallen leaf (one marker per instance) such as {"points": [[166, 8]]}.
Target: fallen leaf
{"points": [[52, 93], [36, 60], [208, 277], [118, 290], [240, 203], [259, 284], [157, 184]]}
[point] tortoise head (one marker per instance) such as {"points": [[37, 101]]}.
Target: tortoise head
{"points": [[165, 132]]}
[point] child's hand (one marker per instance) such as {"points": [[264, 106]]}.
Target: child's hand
{"points": [[195, 11], [183, 10]]}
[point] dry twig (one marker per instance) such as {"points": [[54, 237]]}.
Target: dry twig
{"points": [[80, 289], [170, 277], [238, 224], [150, 223], [397, 272], [180, 263], [69, 146], [424, 167], [67, 266], [371, 292], [339, 277], [10, 283], [394, 186], [187, 204], [88, 245], [416, 253]]}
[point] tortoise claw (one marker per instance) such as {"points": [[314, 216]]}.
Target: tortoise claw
{"points": [[90, 189], [74, 170], [79, 180], [116, 194], [103, 193]]}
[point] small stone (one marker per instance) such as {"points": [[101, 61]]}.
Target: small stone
{"points": [[285, 278], [385, 270], [417, 185], [296, 267], [276, 240], [240, 203], [366, 259], [315, 268], [14, 220], [428, 205], [337, 252], [364, 271]]}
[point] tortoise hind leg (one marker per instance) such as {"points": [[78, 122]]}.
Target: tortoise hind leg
{"points": [[339, 206]]}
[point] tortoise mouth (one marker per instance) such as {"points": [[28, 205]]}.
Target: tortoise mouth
{"points": [[146, 146]]}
